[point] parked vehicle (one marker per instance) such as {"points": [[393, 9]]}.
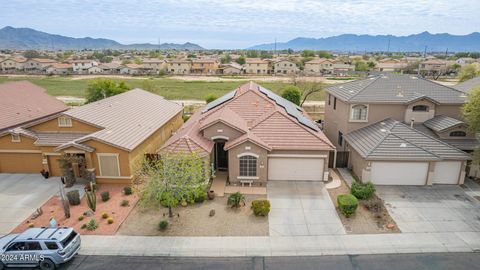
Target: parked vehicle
{"points": [[43, 247]]}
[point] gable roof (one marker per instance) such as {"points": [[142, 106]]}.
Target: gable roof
{"points": [[468, 85], [392, 140], [441, 123], [23, 101], [392, 88]]}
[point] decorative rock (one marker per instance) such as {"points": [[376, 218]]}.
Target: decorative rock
{"points": [[212, 213], [391, 226], [89, 213]]}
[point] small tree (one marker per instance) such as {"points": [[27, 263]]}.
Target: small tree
{"points": [[240, 60], [170, 178], [226, 59], [210, 97], [292, 94], [468, 72], [103, 88], [471, 114]]}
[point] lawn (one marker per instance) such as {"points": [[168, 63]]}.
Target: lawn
{"points": [[166, 87]]}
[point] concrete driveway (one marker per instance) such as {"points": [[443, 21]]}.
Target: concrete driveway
{"points": [[439, 208], [21, 195], [301, 208]]}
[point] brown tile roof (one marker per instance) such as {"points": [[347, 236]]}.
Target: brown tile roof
{"points": [[262, 121], [61, 65], [23, 101], [318, 61], [255, 61], [43, 60]]}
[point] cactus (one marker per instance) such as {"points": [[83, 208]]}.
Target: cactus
{"points": [[91, 198]]}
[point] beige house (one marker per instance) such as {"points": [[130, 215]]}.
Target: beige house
{"points": [[231, 69], [12, 65], [394, 104], [319, 66], [36, 65], [154, 65], [390, 65], [255, 136], [59, 69], [179, 67], [82, 66], [342, 67], [284, 67], [257, 66], [432, 66], [205, 66]]}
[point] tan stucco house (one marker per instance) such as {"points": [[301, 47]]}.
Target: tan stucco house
{"points": [[284, 67], [257, 66], [378, 123], [111, 134], [319, 66], [256, 136]]}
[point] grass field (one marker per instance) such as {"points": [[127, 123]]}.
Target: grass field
{"points": [[168, 88]]}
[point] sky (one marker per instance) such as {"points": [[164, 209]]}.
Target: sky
{"points": [[233, 24]]}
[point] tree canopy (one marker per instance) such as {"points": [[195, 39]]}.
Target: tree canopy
{"points": [[292, 94], [468, 72], [103, 88], [471, 114], [240, 60]]}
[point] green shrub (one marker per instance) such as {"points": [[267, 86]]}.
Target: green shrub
{"points": [[163, 225], [210, 97], [92, 225], [373, 204], [127, 190], [347, 203], [105, 196], [73, 197], [125, 203], [236, 199], [261, 207], [292, 94], [362, 191], [200, 195]]}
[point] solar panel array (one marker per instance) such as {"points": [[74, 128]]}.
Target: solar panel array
{"points": [[219, 101], [292, 109]]}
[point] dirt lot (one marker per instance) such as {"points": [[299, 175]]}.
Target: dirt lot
{"points": [[194, 220], [363, 221]]}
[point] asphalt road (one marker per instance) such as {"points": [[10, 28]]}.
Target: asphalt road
{"points": [[435, 261]]}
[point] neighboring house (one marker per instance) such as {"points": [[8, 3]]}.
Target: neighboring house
{"points": [[393, 100], [257, 136], [111, 134], [432, 66], [59, 69], [469, 85], [319, 66], [36, 65], [154, 65], [179, 67], [284, 67], [95, 70], [12, 65], [132, 69], [390, 65], [257, 66], [111, 68], [205, 66], [465, 61], [82, 66], [22, 102], [231, 69], [342, 67]]}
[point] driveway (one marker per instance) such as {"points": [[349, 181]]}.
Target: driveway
{"points": [[21, 195], [301, 208], [438, 208]]}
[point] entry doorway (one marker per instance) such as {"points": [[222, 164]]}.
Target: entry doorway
{"points": [[221, 156]]}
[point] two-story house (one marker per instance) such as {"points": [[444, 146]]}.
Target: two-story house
{"points": [[205, 66], [378, 126], [179, 67], [82, 66], [154, 66], [111, 135], [37, 65], [12, 65], [257, 66], [319, 66], [255, 136], [284, 67]]}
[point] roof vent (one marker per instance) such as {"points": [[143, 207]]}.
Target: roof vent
{"points": [[384, 77], [463, 95], [341, 86], [413, 77], [383, 130], [403, 145]]}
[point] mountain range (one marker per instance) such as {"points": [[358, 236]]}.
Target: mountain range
{"points": [[31, 39], [412, 43]]}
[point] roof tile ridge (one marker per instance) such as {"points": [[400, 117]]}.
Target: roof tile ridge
{"points": [[381, 141], [363, 88]]}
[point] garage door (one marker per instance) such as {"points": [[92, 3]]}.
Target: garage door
{"points": [[20, 163], [301, 169], [447, 172], [399, 173]]}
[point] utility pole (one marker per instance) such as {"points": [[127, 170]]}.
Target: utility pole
{"points": [[425, 52], [275, 48], [388, 47], [159, 46]]}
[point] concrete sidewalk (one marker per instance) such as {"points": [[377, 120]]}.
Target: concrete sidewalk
{"points": [[281, 246]]}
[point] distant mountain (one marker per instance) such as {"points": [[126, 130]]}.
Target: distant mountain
{"points": [[31, 39], [412, 43]]}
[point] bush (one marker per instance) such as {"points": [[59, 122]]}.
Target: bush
{"points": [[84, 226], [163, 225], [125, 203], [200, 195], [374, 204], [261, 207], [110, 220], [105, 196], [73, 197], [127, 190], [31, 225], [347, 203], [292, 94], [362, 191], [104, 215], [92, 225], [210, 97], [236, 199], [80, 218]]}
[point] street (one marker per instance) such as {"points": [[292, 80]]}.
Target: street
{"points": [[437, 261]]}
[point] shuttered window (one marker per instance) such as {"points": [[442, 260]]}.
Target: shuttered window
{"points": [[109, 165]]}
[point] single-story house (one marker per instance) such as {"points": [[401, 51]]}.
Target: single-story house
{"points": [[111, 135], [256, 136]]}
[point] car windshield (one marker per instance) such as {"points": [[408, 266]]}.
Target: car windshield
{"points": [[68, 239]]}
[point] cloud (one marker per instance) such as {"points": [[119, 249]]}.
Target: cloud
{"points": [[236, 23]]}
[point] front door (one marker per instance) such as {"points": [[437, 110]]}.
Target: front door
{"points": [[221, 156]]}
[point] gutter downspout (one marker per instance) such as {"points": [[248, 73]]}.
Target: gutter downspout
{"points": [[335, 158]]}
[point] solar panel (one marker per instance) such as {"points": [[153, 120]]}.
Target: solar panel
{"points": [[219, 101], [291, 108]]}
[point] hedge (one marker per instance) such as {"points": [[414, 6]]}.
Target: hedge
{"points": [[347, 203]]}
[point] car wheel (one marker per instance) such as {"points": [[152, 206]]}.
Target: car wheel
{"points": [[47, 264]]}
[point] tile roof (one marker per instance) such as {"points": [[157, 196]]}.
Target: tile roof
{"points": [[468, 85], [319, 61], [441, 123], [23, 101], [127, 119], [56, 138], [259, 118], [392, 140], [465, 144], [392, 88]]}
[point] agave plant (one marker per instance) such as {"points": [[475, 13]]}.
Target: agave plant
{"points": [[236, 199]]}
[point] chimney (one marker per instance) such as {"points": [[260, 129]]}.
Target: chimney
{"points": [[411, 122]]}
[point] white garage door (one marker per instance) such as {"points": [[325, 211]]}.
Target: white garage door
{"points": [[399, 173], [301, 169], [447, 172]]}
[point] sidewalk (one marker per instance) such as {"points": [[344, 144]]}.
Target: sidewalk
{"points": [[281, 246]]}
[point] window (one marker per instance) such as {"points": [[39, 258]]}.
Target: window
{"points": [[33, 246], [16, 138], [329, 99], [458, 133], [420, 108], [69, 239], [108, 164], [51, 245], [359, 112], [248, 166], [18, 246], [334, 103], [64, 122], [340, 138]]}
